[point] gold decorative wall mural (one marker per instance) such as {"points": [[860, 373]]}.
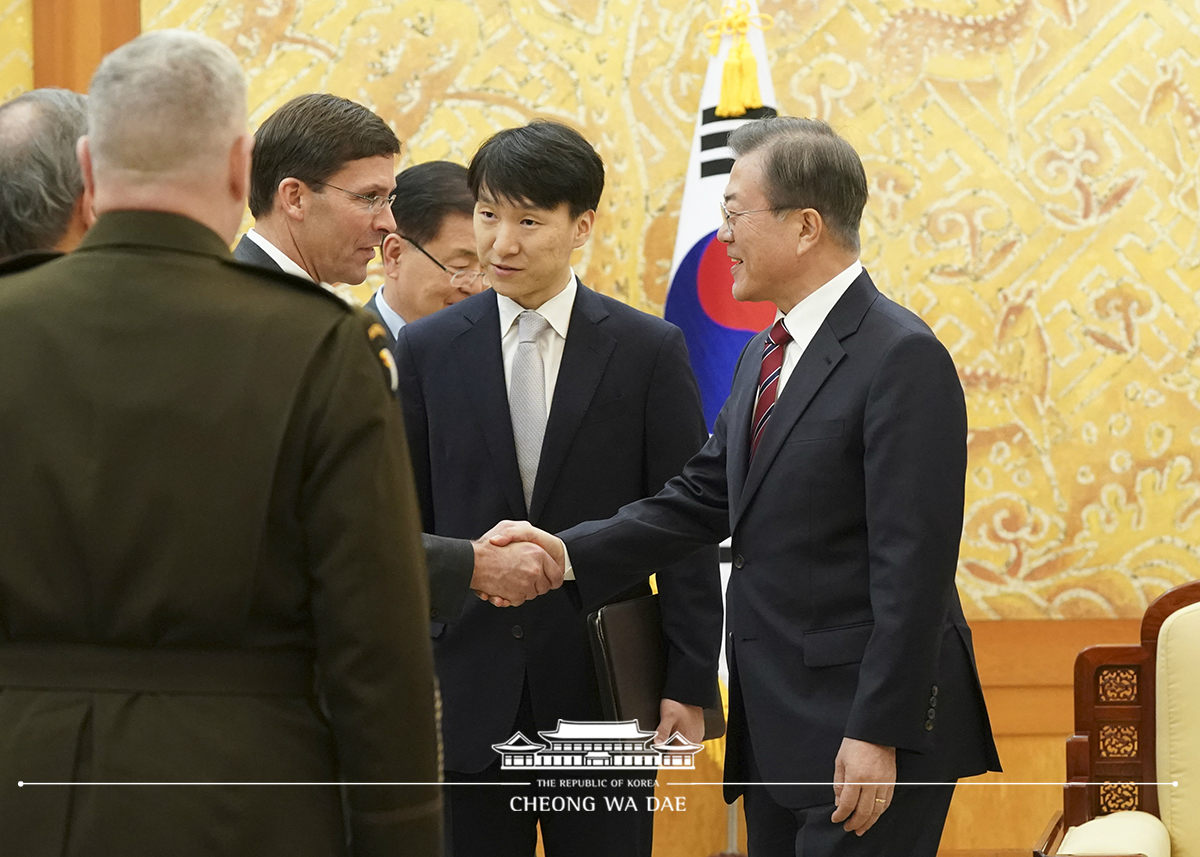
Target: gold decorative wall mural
{"points": [[16, 48], [1035, 196]]}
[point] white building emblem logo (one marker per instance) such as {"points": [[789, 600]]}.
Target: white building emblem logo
{"points": [[597, 744]]}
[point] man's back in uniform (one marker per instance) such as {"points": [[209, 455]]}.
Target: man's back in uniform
{"points": [[213, 572]]}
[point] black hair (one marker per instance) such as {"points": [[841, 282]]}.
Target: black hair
{"points": [[544, 164], [426, 194]]}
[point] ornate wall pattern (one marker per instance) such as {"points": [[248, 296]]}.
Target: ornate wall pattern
{"points": [[1035, 182], [16, 48]]}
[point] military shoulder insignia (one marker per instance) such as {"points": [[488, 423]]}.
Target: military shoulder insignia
{"points": [[378, 337]]}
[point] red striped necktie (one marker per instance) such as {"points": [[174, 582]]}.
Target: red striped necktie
{"points": [[768, 381]]}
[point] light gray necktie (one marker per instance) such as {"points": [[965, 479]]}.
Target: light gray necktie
{"points": [[527, 398]]}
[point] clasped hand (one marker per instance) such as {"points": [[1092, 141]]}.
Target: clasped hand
{"points": [[514, 562]]}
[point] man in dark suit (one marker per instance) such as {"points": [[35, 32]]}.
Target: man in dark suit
{"points": [[541, 398], [838, 465], [430, 262], [320, 189], [212, 576], [321, 183]]}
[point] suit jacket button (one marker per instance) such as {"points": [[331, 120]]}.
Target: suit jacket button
{"points": [[738, 562], [517, 632], [933, 690], [931, 714], [933, 702], [928, 725]]}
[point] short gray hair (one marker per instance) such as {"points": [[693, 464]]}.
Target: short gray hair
{"points": [[165, 103], [40, 179], [807, 165]]}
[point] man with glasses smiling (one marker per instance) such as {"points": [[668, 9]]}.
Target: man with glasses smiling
{"points": [[321, 187], [430, 262]]}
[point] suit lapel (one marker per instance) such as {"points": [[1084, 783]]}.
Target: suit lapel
{"points": [[481, 374], [741, 406], [250, 253], [373, 307], [585, 356], [820, 358]]}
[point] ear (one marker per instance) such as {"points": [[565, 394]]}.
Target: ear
{"points": [[83, 152], [87, 207], [391, 250], [239, 167], [583, 229], [291, 198], [810, 229]]}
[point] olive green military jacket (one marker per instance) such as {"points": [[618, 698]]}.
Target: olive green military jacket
{"points": [[205, 498]]}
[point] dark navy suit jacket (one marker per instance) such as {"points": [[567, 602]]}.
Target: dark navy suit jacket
{"points": [[625, 417], [842, 614]]}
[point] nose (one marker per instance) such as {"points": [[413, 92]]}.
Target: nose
{"points": [[384, 221], [725, 232], [506, 242]]}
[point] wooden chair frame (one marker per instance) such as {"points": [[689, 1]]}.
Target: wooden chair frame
{"points": [[1111, 756]]}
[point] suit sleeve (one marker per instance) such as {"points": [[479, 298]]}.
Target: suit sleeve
{"points": [[451, 562], [915, 459], [370, 598], [689, 590], [689, 513]]}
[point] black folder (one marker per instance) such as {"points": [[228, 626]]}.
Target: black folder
{"points": [[631, 664]]}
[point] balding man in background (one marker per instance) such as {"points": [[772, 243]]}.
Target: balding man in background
{"points": [[212, 577], [43, 206]]}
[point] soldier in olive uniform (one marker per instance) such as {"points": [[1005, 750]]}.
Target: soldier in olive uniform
{"points": [[212, 575]]}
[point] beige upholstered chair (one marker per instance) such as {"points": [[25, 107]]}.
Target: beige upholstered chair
{"points": [[1137, 721]]}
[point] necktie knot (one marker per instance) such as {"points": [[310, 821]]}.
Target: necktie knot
{"points": [[530, 325], [779, 334]]}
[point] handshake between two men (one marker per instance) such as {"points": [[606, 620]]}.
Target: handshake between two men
{"points": [[515, 561]]}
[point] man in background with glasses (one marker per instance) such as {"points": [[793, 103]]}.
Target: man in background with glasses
{"points": [[321, 187], [430, 262]]}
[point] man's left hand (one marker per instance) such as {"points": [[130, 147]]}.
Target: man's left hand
{"points": [[687, 720], [864, 780]]}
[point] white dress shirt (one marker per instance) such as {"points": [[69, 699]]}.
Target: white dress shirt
{"points": [[280, 258], [551, 341], [806, 319], [390, 317]]}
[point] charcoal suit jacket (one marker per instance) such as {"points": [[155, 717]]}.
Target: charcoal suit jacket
{"points": [[451, 562], [842, 613]]}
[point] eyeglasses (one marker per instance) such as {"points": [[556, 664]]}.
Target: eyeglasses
{"points": [[460, 279], [374, 201], [728, 216]]}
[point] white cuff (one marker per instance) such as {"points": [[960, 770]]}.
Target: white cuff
{"points": [[569, 574]]}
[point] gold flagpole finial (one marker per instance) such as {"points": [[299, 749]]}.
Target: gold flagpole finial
{"points": [[739, 75]]}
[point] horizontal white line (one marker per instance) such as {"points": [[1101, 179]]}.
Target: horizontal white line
{"points": [[23, 783], [960, 783]]}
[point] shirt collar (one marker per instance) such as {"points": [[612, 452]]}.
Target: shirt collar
{"points": [[390, 317], [811, 311], [278, 256], [557, 310]]}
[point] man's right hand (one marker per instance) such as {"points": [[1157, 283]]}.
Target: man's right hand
{"points": [[512, 573]]}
